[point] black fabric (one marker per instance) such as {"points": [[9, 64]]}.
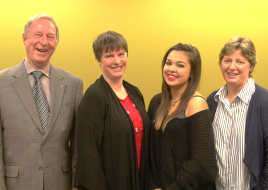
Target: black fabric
{"points": [[182, 114], [107, 158], [183, 156]]}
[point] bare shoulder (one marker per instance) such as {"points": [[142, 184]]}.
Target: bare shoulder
{"points": [[196, 104]]}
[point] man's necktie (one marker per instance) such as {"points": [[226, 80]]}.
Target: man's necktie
{"points": [[40, 99]]}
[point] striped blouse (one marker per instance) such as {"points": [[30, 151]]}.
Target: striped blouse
{"points": [[229, 132]]}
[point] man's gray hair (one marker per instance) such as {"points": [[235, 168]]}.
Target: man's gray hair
{"points": [[41, 16]]}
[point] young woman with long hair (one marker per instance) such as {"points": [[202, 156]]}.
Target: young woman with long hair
{"points": [[182, 151]]}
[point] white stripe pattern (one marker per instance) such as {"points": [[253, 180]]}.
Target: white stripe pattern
{"points": [[229, 132]]}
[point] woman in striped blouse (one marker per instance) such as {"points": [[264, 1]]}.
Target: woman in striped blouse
{"points": [[240, 120]]}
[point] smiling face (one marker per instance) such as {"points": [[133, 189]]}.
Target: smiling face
{"points": [[114, 65], [176, 71], [235, 69], [40, 43]]}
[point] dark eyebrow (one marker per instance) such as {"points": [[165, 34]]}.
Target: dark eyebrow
{"points": [[177, 61]]}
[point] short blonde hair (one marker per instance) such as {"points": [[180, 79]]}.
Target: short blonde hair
{"points": [[246, 46]]}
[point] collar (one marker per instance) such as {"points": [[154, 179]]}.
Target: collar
{"points": [[29, 68], [244, 94]]}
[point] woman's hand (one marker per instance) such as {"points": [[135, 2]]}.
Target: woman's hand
{"points": [[158, 189]]}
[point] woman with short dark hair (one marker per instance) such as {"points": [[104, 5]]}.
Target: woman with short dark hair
{"points": [[113, 126]]}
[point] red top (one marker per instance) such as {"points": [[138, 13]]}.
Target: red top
{"points": [[135, 116]]}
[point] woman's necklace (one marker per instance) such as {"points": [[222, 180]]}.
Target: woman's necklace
{"points": [[173, 103]]}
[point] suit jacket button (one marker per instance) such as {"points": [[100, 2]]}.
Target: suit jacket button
{"points": [[40, 168]]}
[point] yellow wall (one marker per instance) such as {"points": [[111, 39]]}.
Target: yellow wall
{"points": [[150, 28]]}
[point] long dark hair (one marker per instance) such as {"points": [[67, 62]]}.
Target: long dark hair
{"points": [[193, 55]]}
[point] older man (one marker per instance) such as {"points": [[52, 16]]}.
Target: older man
{"points": [[38, 115]]}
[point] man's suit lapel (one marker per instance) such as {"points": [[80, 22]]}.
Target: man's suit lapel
{"points": [[57, 88], [22, 86]]}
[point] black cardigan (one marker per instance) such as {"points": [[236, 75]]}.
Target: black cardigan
{"points": [[107, 158]]}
